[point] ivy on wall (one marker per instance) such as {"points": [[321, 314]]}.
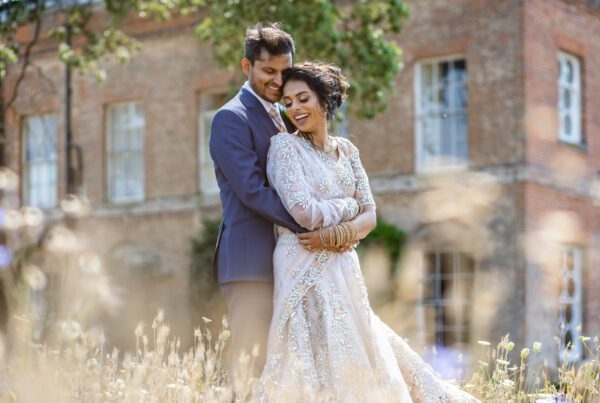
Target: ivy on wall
{"points": [[388, 236], [202, 247]]}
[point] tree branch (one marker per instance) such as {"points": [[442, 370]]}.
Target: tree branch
{"points": [[26, 56]]}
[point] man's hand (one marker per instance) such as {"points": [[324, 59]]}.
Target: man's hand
{"points": [[311, 241]]}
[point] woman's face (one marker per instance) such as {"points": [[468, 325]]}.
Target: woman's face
{"points": [[303, 106]]}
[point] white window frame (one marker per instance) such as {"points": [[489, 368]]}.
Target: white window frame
{"points": [[50, 192], [342, 125], [575, 301], [110, 154], [436, 165], [573, 89], [439, 302], [207, 180]]}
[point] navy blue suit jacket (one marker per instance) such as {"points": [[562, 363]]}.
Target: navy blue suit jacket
{"points": [[240, 137]]}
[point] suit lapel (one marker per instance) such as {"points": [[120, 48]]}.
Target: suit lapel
{"points": [[258, 112]]}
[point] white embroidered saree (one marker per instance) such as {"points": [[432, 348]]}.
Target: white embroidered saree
{"points": [[325, 342]]}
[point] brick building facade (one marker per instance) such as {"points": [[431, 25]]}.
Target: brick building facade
{"points": [[488, 156]]}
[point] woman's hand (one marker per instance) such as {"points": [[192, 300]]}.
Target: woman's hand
{"points": [[365, 223], [311, 241]]}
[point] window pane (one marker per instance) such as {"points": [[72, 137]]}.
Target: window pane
{"points": [[209, 104], [568, 340], [343, 121], [568, 313], [447, 136], [126, 152], [567, 125], [460, 71], [444, 97], [431, 136], [460, 96], [570, 307], [40, 161], [444, 78], [569, 71], [447, 297], [441, 113], [569, 98]]}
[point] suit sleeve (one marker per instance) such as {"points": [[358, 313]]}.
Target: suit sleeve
{"points": [[232, 151]]}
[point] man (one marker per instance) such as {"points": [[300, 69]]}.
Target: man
{"points": [[239, 143]]}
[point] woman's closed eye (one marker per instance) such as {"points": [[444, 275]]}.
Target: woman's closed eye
{"points": [[301, 100]]}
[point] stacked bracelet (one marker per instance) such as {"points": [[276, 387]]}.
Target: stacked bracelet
{"points": [[323, 243], [343, 234]]}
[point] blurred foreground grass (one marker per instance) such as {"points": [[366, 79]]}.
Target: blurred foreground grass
{"points": [[81, 367]]}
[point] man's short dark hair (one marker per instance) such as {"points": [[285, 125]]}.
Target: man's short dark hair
{"points": [[269, 37]]}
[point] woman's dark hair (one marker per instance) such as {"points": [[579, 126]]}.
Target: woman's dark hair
{"points": [[325, 80], [269, 37]]}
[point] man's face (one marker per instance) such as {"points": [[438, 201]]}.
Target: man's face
{"points": [[265, 75]]}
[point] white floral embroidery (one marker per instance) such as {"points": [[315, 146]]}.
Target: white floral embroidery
{"points": [[325, 342]]}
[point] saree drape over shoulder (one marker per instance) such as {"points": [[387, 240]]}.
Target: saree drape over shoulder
{"points": [[325, 342]]}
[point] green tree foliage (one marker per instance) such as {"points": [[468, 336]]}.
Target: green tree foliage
{"points": [[351, 34]]}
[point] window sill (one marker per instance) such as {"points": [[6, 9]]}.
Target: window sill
{"points": [[126, 201], [441, 170], [581, 147]]}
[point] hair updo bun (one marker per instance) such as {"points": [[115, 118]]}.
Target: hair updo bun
{"points": [[326, 80]]}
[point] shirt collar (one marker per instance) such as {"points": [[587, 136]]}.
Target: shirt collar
{"points": [[266, 104]]}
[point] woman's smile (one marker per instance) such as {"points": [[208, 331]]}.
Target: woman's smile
{"points": [[300, 118]]}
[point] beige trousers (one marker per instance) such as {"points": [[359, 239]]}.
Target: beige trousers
{"points": [[250, 306]]}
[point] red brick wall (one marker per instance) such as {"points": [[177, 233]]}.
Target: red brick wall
{"points": [[550, 27], [488, 34]]}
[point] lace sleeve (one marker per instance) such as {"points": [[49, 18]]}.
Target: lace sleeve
{"points": [[363, 193], [287, 176]]}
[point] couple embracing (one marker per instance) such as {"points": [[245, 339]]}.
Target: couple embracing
{"points": [[295, 202]]}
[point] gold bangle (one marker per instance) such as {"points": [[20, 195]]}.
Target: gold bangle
{"points": [[321, 237], [332, 236], [338, 236], [349, 232], [346, 234], [354, 229]]}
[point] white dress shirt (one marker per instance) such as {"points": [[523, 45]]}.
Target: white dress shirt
{"points": [[266, 104]]}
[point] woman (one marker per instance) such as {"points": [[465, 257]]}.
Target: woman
{"points": [[325, 342]]}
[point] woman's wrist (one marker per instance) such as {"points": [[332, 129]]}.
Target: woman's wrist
{"points": [[343, 235]]}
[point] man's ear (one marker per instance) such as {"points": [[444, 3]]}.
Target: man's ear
{"points": [[246, 66]]}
